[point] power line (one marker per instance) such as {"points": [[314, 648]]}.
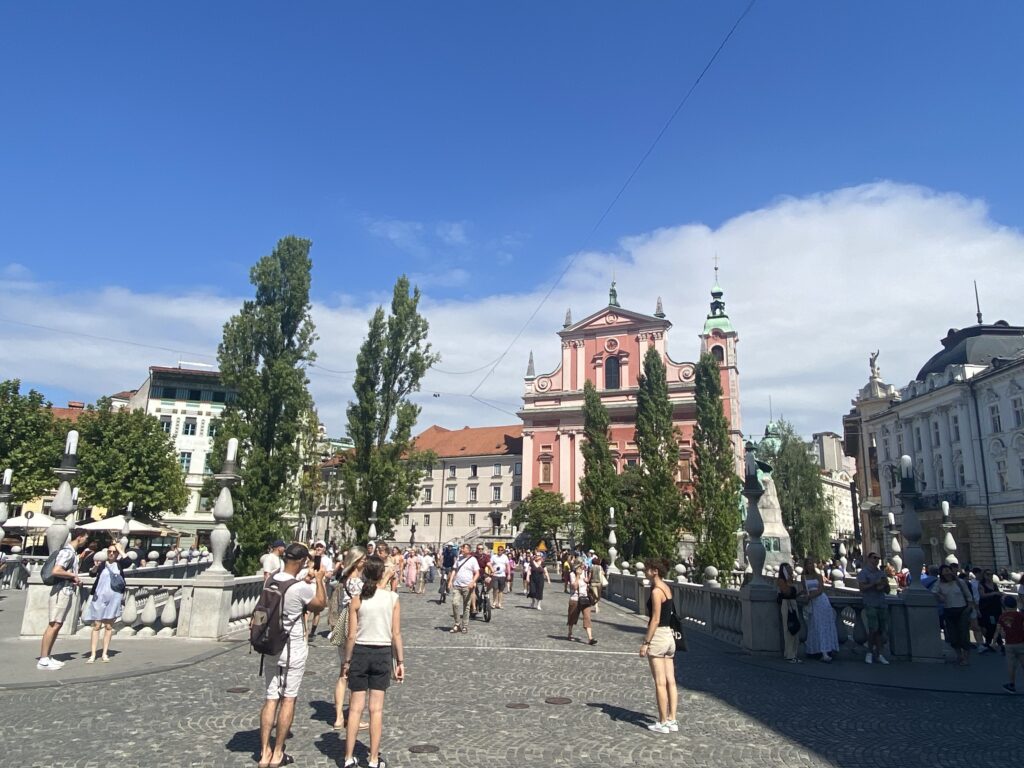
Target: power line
{"points": [[111, 339], [618, 195]]}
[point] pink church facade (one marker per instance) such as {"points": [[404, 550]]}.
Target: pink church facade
{"points": [[608, 348]]}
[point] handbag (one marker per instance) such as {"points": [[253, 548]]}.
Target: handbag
{"points": [[603, 579], [117, 583], [793, 622], [337, 636]]}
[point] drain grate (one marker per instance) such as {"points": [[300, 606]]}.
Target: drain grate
{"points": [[423, 749]]}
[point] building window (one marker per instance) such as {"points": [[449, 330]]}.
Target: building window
{"points": [[450, 520], [997, 422], [451, 471], [472, 519], [195, 394], [917, 439], [185, 460], [189, 430], [496, 471], [170, 393], [954, 422], [496, 493], [1018, 412], [685, 473], [405, 520], [212, 430], [545, 472], [472, 470], [899, 443], [517, 493], [219, 397], [611, 373], [207, 469], [428, 494], [165, 424], [1001, 475], [718, 353], [472, 493], [451, 493], [426, 520], [961, 478], [519, 468], [936, 438]]}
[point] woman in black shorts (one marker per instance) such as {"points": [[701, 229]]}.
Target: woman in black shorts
{"points": [[374, 638]]}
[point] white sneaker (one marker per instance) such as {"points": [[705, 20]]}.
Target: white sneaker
{"points": [[659, 727], [826, 658], [882, 660], [673, 725], [49, 663], [870, 659]]}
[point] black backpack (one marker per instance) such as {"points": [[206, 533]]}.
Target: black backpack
{"points": [[268, 634], [46, 572]]}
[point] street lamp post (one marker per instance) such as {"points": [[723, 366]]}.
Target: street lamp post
{"points": [[948, 542], [911, 525], [612, 551], [63, 505], [896, 550], [224, 508]]}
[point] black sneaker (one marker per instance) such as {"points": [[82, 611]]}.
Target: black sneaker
{"points": [[1009, 687]]}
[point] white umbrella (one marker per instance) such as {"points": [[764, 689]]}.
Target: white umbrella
{"points": [[39, 521], [116, 525]]}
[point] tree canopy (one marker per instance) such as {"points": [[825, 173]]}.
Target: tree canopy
{"points": [[714, 512], [263, 357], [541, 514], [384, 466], [31, 440]]}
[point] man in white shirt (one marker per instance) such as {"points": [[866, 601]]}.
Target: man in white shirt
{"points": [[284, 673], [271, 562], [65, 574], [500, 572], [462, 582]]}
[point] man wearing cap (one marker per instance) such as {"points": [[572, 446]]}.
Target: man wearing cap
{"points": [[284, 673], [271, 562]]}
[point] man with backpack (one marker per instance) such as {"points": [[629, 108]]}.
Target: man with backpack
{"points": [[278, 633], [62, 576]]}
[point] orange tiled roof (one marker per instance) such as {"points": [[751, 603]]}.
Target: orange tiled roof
{"points": [[472, 441], [125, 395], [67, 414]]}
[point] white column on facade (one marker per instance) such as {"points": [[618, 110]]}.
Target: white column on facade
{"points": [[577, 441], [923, 423], [967, 431], [581, 365], [566, 365], [624, 371], [528, 461], [946, 448], [564, 475]]}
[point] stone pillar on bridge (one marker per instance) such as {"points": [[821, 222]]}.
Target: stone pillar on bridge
{"points": [[762, 622]]}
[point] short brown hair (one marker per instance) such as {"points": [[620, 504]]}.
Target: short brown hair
{"points": [[657, 564]]}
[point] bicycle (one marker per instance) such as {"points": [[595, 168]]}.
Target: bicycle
{"points": [[442, 590], [483, 601]]}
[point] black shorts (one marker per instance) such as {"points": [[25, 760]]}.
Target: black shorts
{"points": [[370, 668]]}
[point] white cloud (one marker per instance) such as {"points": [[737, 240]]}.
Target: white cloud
{"points": [[452, 233], [812, 284]]}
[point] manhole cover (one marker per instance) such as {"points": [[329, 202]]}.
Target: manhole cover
{"points": [[238, 689], [422, 749], [517, 706], [557, 700]]}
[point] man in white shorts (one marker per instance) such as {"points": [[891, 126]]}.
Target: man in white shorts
{"points": [[62, 593], [284, 673]]}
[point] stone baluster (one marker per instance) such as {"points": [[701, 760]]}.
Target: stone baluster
{"points": [[681, 574], [148, 616], [948, 542], [711, 577], [754, 524], [130, 614], [612, 551], [224, 509], [169, 615], [63, 503]]}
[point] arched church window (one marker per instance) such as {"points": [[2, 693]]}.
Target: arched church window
{"points": [[612, 373], [718, 353]]}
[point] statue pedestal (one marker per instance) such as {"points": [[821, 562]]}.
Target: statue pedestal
{"points": [[208, 614], [762, 621], [915, 632]]}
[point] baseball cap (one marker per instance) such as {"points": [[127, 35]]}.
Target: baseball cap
{"points": [[296, 552], [278, 543]]}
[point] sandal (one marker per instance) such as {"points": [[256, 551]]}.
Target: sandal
{"points": [[286, 759], [454, 629], [464, 630]]}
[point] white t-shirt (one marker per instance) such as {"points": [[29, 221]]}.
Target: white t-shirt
{"points": [[271, 563], [428, 562], [296, 598], [500, 565], [465, 571]]}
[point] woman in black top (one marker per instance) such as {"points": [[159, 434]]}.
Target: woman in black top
{"points": [[659, 647], [989, 606]]}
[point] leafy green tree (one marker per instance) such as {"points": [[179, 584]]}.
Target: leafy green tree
{"points": [[628, 518], [263, 357], [384, 466], [541, 514], [714, 511], [599, 486], [31, 440], [798, 482], [125, 456], [658, 445]]}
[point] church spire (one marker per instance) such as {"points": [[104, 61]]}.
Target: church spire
{"points": [[568, 318], [717, 317], [530, 372], [659, 310]]}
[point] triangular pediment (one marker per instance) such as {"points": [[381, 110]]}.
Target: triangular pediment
{"points": [[608, 318]]}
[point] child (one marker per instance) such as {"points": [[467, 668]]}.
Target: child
{"points": [[1011, 629]]}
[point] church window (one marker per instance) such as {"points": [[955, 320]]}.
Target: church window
{"points": [[718, 353], [545, 471], [611, 373]]}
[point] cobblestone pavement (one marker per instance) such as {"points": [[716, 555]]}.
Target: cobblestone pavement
{"points": [[732, 713]]}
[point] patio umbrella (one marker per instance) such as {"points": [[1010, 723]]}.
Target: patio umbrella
{"points": [[39, 521], [115, 524]]}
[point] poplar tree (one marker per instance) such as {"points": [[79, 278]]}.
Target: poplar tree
{"points": [[715, 508], [384, 466], [31, 440], [656, 440], [797, 480], [599, 486], [263, 358]]}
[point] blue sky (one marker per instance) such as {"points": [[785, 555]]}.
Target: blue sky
{"points": [[162, 148]]}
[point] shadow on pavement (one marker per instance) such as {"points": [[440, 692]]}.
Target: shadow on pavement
{"points": [[621, 714], [322, 711], [246, 743]]}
